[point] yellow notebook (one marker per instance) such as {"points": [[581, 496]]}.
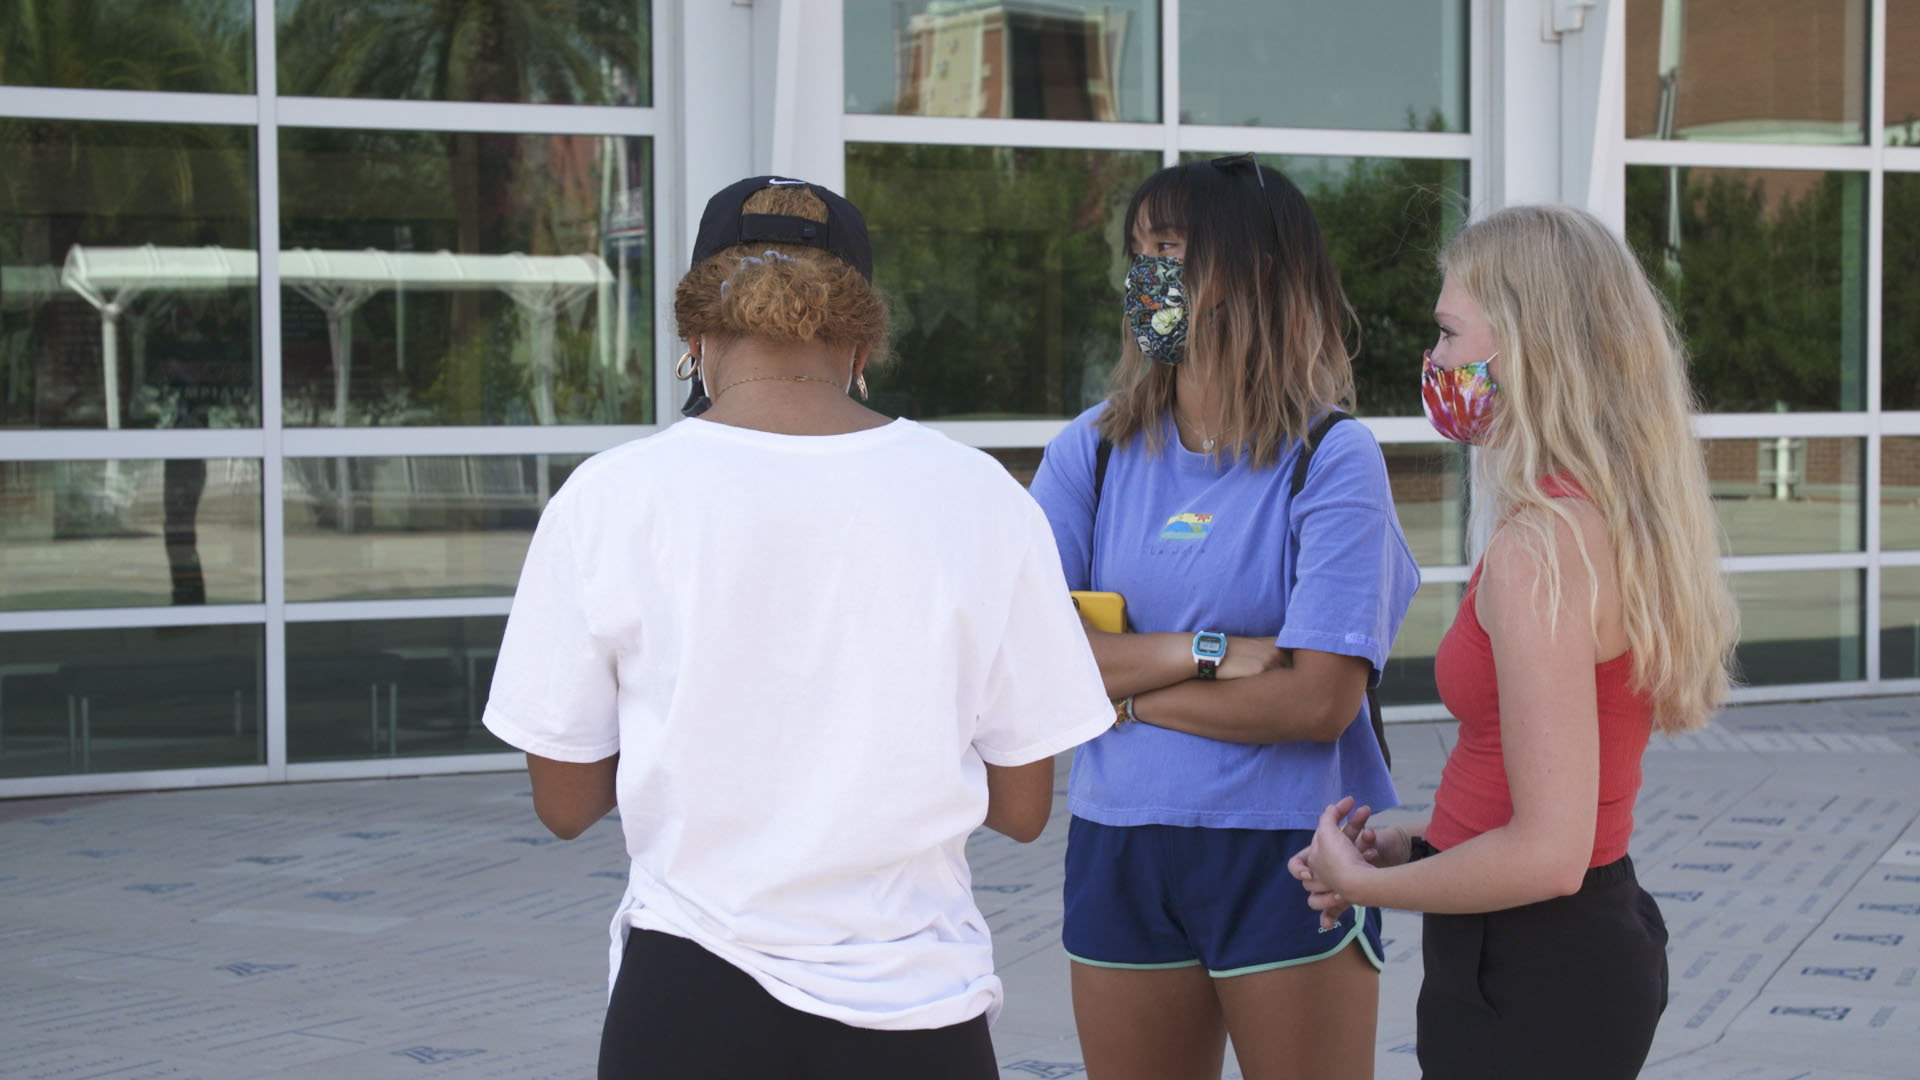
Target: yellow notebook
{"points": [[1105, 610]]}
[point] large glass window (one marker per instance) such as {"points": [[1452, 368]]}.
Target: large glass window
{"points": [[1900, 292], [1788, 496], [1385, 220], [1062, 60], [86, 701], [1800, 626], [203, 46], [1766, 270], [89, 534], [1900, 622], [1900, 492], [1398, 65], [1902, 75], [1429, 482], [1408, 678], [1790, 71], [127, 276], [385, 528], [580, 52], [458, 278], [390, 689], [1004, 267]]}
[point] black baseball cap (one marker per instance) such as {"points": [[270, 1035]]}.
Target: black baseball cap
{"points": [[723, 225]]}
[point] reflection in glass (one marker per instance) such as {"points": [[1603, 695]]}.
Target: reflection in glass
{"points": [[90, 534], [1398, 65], [581, 52], [1900, 292], [1791, 71], [390, 689], [1902, 75], [1800, 626], [1899, 493], [460, 278], [193, 46], [1900, 622], [414, 526], [93, 701], [1766, 270], [127, 294], [1788, 496], [1003, 266], [1429, 482], [1063, 60], [1408, 679], [1384, 219], [1021, 462]]}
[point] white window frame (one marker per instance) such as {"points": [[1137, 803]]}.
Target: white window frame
{"points": [[266, 113], [1473, 148], [1872, 160]]}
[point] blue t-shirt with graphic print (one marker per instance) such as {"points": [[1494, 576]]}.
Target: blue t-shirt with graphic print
{"points": [[1194, 545]]}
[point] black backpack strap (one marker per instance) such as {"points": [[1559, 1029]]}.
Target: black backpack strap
{"points": [[1312, 443], [1101, 454], [1307, 448]]}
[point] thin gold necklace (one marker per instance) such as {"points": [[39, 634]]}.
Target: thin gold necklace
{"points": [[773, 378], [1206, 440]]}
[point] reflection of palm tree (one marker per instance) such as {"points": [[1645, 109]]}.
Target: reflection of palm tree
{"points": [[551, 51], [126, 45]]}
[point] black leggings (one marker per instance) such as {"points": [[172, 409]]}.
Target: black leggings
{"points": [[1567, 989], [681, 1013]]}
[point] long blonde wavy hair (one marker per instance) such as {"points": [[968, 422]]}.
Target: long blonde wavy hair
{"points": [[1593, 386], [1268, 312]]}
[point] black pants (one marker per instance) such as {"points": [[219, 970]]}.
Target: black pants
{"points": [[681, 1013], [1567, 989]]}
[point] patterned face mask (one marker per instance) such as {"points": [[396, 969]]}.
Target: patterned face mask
{"points": [[1157, 308], [1459, 401]]}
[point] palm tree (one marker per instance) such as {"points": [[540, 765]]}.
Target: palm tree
{"points": [[200, 46], [542, 51]]}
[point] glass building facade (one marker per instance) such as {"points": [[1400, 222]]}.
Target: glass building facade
{"points": [[308, 306]]}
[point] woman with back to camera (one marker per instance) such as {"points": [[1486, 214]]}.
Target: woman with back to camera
{"points": [[806, 651], [1598, 614], [1264, 607]]}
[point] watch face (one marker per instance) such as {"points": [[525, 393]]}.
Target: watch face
{"points": [[1210, 645]]}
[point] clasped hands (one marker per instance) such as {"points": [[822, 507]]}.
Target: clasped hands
{"points": [[1344, 850]]}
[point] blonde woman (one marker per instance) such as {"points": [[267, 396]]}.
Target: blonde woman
{"points": [[806, 650], [1597, 615], [1264, 598]]}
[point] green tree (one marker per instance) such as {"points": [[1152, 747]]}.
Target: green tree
{"points": [[201, 46], [1763, 273], [1002, 267], [592, 52], [1385, 221]]}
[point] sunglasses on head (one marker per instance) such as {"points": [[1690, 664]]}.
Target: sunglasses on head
{"points": [[1260, 178]]}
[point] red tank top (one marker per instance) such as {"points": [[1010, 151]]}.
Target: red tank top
{"points": [[1473, 796]]}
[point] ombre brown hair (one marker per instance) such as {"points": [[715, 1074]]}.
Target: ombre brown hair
{"points": [[781, 292], [1267, 316]]}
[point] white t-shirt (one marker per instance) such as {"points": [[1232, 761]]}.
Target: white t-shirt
{"points": [[803, 648]]}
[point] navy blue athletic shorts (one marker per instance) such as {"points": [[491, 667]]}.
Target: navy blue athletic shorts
{"points": [[1167, 896]]}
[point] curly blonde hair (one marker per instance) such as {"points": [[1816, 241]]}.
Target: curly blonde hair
{"points": [[781, 292]]}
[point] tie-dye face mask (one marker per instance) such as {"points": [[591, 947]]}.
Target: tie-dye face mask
{"points": [[1156, 305], [1459, 401]]}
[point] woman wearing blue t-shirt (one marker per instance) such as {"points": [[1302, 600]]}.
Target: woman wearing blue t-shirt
{"points": [[1260, 619]]}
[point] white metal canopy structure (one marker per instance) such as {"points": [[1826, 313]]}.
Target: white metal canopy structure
{"points": [[337, 282]]}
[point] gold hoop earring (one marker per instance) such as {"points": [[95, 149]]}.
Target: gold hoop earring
{"points": [[860, 384], [688, 366]]}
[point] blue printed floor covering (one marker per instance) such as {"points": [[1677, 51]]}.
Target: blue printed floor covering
{"points": [[430, 927]]}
